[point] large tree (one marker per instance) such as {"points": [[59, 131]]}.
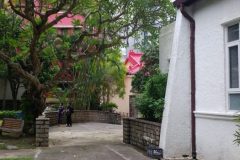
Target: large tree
{"points": [[106, 24]]}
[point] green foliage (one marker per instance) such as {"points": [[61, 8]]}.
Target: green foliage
{"points": [[9, 31], [106, 25], [237, 132], [61, 95], [99, 78], [20, 158], [108, 106], [151, 101], [8, 114], [2, 145], [150, 47]]}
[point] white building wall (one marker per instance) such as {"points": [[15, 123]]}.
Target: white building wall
{"points": [[175, 139], [5, 90], [165, 46], [214, 121], [8, 94], [215, 127]]}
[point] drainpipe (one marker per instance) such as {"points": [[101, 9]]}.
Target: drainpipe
{"points": [[193, 79]]}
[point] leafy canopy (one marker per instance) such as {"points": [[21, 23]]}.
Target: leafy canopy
{"points": [[106, 25]]}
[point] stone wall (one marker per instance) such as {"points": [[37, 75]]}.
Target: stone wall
{"points": [[87, 116], [42, 132], [141, 133]]}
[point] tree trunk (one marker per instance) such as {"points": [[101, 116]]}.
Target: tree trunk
{"points": [[14, 81], [108, 95], [33, 103], [4, 93], [39, 102], [1, 4], [14, 84]]}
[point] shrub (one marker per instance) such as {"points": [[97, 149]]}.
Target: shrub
{"points": [[151, 101], [8, 114], [108, 106]]}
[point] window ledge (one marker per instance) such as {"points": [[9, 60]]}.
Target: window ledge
{"points": [[231, 115]]}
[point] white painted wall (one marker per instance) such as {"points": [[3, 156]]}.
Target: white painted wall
{"points": [[214, 122], [175, 139], [8, 92], [214, 135], [165, 46]]}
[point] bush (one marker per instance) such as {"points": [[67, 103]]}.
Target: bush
{"points": [[108, 106], [151, 101], [8, 114]]}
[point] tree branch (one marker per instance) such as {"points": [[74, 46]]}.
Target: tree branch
{"points": [[20, 71], [21, 13], [53, 11]]}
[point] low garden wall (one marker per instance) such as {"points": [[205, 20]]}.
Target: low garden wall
{"points": [[86, 116], [141, 133]]}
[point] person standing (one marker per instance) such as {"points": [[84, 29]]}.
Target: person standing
{"points": [[60, 113], [69, 113]]}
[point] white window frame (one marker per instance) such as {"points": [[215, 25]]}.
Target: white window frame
{"points": [[227, 46]]}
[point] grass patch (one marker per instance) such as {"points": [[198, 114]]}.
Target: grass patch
{"points": [[1, 121], [23, 158], [2, 146], [26, 142]]}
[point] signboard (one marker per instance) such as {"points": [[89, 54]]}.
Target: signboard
{"points": [[154, 152]]}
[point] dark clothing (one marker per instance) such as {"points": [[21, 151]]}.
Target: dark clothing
{"points": [[69, 113], [69, 121], [60, 114]]}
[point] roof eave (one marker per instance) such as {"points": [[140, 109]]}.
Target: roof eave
{"points": [[177, 3]]}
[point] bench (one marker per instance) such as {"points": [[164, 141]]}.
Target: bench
{"points": [[12, 127]]}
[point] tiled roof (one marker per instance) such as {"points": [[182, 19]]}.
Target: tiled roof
{"points": [[134, 61], [66, 22]]}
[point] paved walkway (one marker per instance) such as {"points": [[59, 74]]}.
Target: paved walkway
{"points": [[87, 141]]}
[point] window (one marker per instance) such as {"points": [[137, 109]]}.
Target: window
{"points": [[233, 59], [63, 31]]}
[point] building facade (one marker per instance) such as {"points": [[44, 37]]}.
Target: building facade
{"points": [[217, 92], [133, 64]]}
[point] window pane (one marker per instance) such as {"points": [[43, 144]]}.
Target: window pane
{"points": [[233, 67], [233, 32], [234, 101]]}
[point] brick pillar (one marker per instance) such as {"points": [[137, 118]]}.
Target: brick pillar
{"points": [[42, 131], [126, 130]]}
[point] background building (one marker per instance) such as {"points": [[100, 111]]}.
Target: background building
{"points": [[126, 104]]}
